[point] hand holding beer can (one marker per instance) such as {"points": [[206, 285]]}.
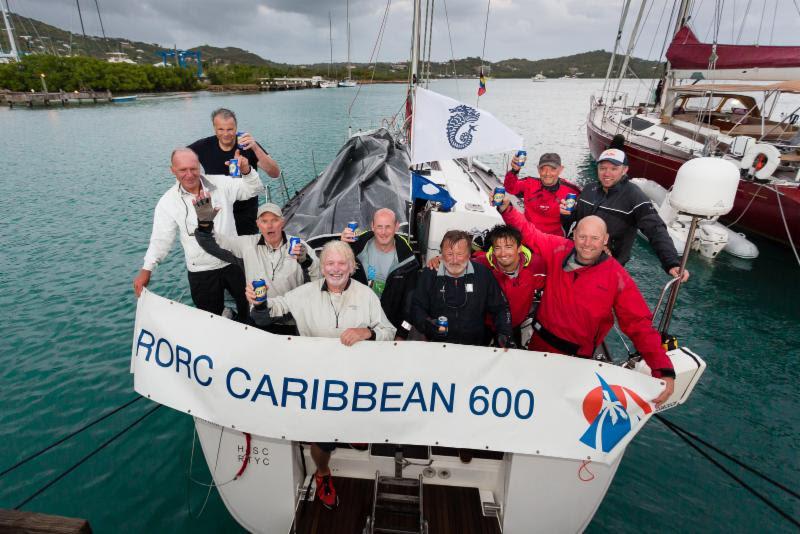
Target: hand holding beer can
{"points": [[260, 288], [233, 168], [570, 202], [522, 157], [292, 242], [441, 324], [353, 225], [498, 196], [238, 144]]}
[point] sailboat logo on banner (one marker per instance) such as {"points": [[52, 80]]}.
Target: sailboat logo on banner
{"points": [[613, 412], [460, 117]]}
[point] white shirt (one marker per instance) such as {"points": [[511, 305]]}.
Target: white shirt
{"points": [[175, 215]]}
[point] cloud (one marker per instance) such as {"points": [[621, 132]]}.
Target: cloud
{"points": [[296, 31]]}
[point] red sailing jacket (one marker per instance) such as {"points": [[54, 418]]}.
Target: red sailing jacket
{"points": [[519, 290], [579, 306], [542, 207]]}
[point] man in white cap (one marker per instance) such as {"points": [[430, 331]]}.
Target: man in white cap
{"points": [[625, 209], [266, 256]]}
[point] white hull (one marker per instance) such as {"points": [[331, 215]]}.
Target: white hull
{"points": [[348, 83]]}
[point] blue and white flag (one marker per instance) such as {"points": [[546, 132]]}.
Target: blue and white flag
{"points": [[443, 128], [421, 187]]}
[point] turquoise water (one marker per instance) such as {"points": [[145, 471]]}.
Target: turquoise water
{"points": [[80, 185]]}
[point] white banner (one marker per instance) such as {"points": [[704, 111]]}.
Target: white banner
{"points": [[316, 389], [443, 128]]}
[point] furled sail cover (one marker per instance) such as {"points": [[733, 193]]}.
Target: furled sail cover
{"points": [[371, 171], [686, 52]]}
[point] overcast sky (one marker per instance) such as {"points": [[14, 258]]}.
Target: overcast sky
{"points": [[296, 31]]}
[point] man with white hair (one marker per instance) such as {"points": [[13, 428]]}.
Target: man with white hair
{"points": [[209, 277], [266, 256], [335, 306], [585, 289]]}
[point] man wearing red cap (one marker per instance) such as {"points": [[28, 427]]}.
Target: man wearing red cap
{"points": [[542, 195]]}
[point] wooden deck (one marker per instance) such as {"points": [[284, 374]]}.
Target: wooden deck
{"points": [[46, 99], [448, 510], [32, 523]]}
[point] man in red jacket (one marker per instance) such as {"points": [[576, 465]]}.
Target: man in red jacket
{"points": [[543, 195], [584, 289], [519, 272]]}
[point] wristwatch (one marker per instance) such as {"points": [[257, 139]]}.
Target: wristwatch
{"points": [[372, 336]]}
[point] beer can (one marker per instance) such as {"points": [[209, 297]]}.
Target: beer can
{"points": [[498, 196], [522, 157], [570, 202], [233, 168], [260, 287], [238, 135], [441, 322], [292, 242], [353, 225]]}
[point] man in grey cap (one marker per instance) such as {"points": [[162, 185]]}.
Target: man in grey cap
{"points": [[265, 256], [543, 195]]}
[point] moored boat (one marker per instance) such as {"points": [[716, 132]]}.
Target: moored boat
{"points": [[685, 121]]}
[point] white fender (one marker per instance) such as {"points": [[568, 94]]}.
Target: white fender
{"points": [[773, 159]]}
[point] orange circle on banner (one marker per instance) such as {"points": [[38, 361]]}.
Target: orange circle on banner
{"points": [[593, 401]]}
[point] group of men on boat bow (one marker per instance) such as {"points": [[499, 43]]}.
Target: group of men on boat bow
{"points": [[533, 287]]}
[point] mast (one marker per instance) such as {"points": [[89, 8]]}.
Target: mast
{"points": [[622, 19], [14, 52], [349, 67], [330, 38], [631, 44], [669, 78]]}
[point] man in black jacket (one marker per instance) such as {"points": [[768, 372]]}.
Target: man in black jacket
{"points": [[462, 291], [625, 209], [386, 263]]}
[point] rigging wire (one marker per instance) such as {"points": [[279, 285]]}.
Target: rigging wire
{"points": [[87, 457], [430, 40], [772, 29], [70, 435], [796, 7], [483, 50], [685, 436], [761, 23], [425, 42], [744, 20], [785, 225], [376, 48], [80, 16], [452, 53]]}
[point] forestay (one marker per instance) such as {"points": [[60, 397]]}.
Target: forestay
{"points": [[316, 389]]}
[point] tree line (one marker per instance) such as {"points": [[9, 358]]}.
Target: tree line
{"points": [[85, 73]]}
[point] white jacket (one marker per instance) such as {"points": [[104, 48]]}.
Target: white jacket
{"points": [[281, 271], [315, 310], [175, 214]]}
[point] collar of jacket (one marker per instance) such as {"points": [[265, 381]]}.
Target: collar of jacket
{"points": [[442, 271], [324, 286], [262, 241], [401, 245], [525, 251], [208, 186], [603, 257], [552, 188], [616, 187]]}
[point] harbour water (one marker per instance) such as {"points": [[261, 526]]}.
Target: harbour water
{"points": [[80, 185]]}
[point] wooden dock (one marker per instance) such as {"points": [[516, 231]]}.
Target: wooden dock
{"points": [[40, 98], [33, 523]]}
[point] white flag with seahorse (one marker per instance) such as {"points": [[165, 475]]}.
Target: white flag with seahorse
{"points": [[443, 128]]}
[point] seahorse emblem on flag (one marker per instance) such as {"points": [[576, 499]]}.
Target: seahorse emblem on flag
{"points": [[461, 116]]}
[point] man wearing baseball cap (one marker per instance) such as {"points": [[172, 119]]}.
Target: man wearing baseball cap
{"points": [[625, 209], [266, 255], [543, 195]]}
